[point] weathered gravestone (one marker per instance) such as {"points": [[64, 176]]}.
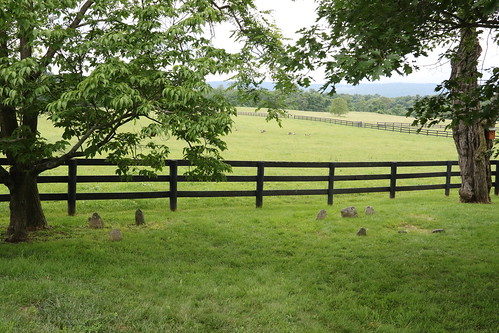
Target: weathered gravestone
{"points": [[95, 222], [349, 212], [362, 232], [321, 215], [116, 235], [369, 210], [139, 217]]}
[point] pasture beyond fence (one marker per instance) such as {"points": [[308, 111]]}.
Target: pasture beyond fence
{"points": [[385, 126], [331, 175]]}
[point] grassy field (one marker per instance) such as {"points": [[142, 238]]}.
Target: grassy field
{"points": [[311, 141], [220, 265]]}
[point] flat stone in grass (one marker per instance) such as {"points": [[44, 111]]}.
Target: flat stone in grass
{"points": [[362, 232], [95, 222], [321, 215], [349, 212], [116, 235], [436, 231], [139, 217], [369, 210]]}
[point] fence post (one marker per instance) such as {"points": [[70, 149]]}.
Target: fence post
{"points": [[260, 173], [496, 190], [393, 179], [330, 186], [173, 184], [448, 178], [72, 171]]}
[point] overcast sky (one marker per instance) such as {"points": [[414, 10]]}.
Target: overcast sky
{"points": [[290, 16]]}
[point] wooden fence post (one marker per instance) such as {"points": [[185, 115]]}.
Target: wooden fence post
{"points": [[173, 185], [393, 179], [259, 184], [330, 186], [72, 172], [496, 190], [448, 178]]}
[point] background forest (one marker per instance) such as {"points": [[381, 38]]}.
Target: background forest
{"points": [[313, 100]]}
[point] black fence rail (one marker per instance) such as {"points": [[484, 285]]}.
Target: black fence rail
{"points": [[329, 177], [384, 126], [399, 124]]}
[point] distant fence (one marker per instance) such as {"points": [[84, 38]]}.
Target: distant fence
{"points": [[329, 176], [385, 126]]}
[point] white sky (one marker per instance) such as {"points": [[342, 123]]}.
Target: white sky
{"points": [[291, 16]]}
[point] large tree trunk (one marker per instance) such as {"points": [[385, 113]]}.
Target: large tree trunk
{"points": [[26, 212], [476, 178], [470, 139]]}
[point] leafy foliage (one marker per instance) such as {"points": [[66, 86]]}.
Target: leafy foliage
{"points": [[338, 106], [360, 39], [313, 100], [93, 66]]}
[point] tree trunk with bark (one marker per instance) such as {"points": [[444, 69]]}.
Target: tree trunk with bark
{"points": [[26, 212], [474, 162], [470, 137]]}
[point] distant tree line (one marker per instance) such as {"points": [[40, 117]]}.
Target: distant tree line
{"points": [[313, 100]]}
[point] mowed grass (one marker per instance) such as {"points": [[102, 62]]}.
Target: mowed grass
{"points": [[253, 138], [220, 265], [302, 140]]}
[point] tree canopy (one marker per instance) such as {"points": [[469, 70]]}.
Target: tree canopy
{"points": [[338, 106], [360, 39], [91, 67]]}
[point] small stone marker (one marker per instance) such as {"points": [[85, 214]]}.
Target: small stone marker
{"points": [[116, 235], [369, 210], [362, 232], [95, 222], [321, 215], [349, 212], [139, 217], [437, 231]]}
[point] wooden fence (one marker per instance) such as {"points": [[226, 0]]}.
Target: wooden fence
{"points": [[385, 126], [329, 177]]}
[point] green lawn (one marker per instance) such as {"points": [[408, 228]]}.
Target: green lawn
{"points": [[224, 266], [220, 265]]}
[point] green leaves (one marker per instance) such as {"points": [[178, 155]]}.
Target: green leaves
{"points": [[25, 146], [358, 39], [16, 84], [93, 67]]}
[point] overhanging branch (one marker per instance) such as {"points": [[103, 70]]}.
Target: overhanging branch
{"points": [[73, 25], [73, 152]]}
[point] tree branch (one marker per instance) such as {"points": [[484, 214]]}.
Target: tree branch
{"points": [[485, 24], [76, 21], [8, 141], [153, 120], [452, 15], [220, 8], [235, 17], [25, 49], [52, 163]]}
